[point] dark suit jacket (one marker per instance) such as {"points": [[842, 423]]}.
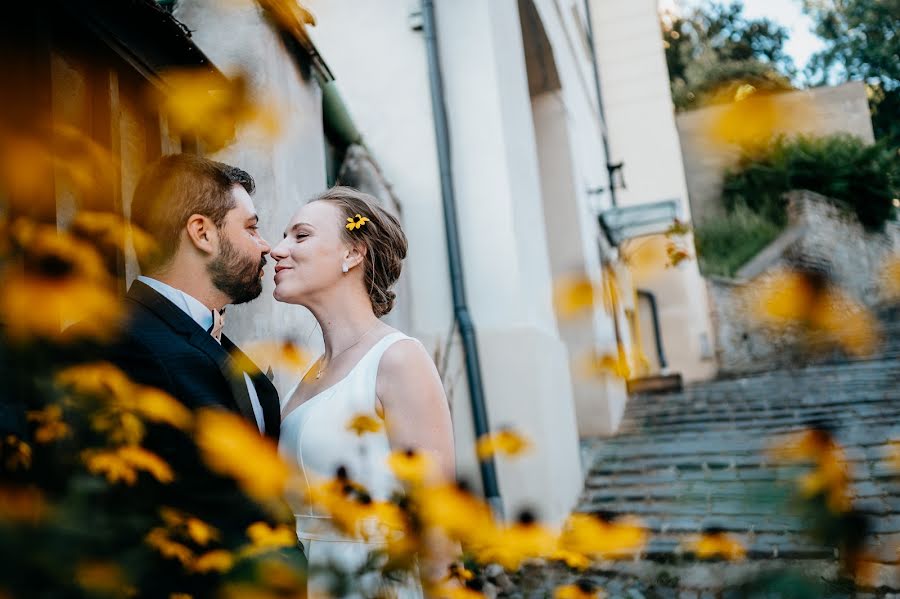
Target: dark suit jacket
{"points": [[163, 347]]}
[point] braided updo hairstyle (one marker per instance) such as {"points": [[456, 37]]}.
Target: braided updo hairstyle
{"points": [[382, 237]]}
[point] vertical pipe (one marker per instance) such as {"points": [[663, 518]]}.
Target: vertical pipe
{"points": [[460, 307], [603, 135]]}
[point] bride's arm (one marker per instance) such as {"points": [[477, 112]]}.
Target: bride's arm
{"points": [[416, 411], [417, 416]]}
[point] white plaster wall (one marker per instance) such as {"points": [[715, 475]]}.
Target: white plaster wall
{"points": [[288, 170], [384, 79], [641, 124]]}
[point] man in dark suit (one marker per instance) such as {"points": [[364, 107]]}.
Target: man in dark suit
{"points": [[209, 255]]}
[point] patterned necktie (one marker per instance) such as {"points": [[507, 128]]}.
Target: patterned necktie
{"points": [[218, 323]]}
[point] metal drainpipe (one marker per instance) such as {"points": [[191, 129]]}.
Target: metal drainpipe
{"points": [[654, 314], [596, 69], [460, 307]]}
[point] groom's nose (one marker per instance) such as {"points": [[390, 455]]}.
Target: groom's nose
{"points": [[265, 248]]}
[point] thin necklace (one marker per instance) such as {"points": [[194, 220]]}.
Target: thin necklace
{"points": [[333, 358]]}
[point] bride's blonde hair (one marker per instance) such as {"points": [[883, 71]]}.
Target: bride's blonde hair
{"points": [[382, 237]]}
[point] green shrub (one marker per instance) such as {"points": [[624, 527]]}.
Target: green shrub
{"points": [[727, 243], [863, 178]]}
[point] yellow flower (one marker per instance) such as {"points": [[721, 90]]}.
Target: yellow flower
{"points": [[511, 545], [50, 425], [452, 509], [830, 475], [100, 577], [356, 224], [113, 233], [17, 453], [716, 544], [603, 539], [457, 571], [180, 596], [264, 537], [104, 380], [411, 466], [158, 538], [575, 295], [505, 442], [891, 278], [576, 561], [232, 447], [581, 590], [275, 354], [198, 102], [217, 560], [25, 504], [789, 298], [363, 423], [123, 463], [38, 307], [201, 532], [121, 427]]}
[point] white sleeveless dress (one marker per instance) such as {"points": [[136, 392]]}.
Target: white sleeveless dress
{"points": [[315, 436]]}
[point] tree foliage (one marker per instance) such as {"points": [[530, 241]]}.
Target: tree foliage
{"points": [[714, 45], [862, 42]]}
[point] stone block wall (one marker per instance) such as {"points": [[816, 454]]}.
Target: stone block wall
{"points": [[821, 235]]}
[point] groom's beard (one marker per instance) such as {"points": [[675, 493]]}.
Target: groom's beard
{"points": [[235, 275]]}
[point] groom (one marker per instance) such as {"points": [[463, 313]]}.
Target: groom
{"points": [[209, 255]]}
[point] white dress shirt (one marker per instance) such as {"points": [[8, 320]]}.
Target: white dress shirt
{"points": [[203, 316]]}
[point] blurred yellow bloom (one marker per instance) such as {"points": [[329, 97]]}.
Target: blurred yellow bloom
{"points": [[461, 515], [751, 119], [59, 151], [790, 298], [201, 532], [676, 254], [716, 544], [511, 545], [580, 590], [50, 425], [363, 423], [264, 537], [123, 463], [646, 257], [112, 233], [217, 560], [104, 380], [38, 307], [891, 278], [830, 475], [457, 571], [22, 504], [504, 442], [275, 354], [16, 453], [596, 537], [576, 561], [198, 102], [232, 447], [101, 577], [575, 295], [456, 592], [411, 466], [158, 538], [181, 596], [603, 364]]}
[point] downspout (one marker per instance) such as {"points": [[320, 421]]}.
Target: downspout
{"points": [[654, 315], [460, 307], [610, 168]]}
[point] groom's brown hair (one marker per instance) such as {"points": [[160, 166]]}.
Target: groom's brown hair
{"points": [[175, 187]]}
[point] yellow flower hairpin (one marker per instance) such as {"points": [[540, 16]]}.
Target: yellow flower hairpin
{"points": [[357, 223]]}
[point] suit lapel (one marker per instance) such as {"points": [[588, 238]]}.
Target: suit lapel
{"points": [[200, 339], [265, 390]]}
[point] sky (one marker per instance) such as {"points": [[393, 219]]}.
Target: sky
{"points": [[802, 43]]}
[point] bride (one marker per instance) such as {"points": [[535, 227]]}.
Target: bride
{"points": [[340, 256]]}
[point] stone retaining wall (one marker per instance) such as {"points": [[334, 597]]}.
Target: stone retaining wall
{"points": [[820, 235]]}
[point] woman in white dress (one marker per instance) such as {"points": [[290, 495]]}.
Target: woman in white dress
{"points": [[340, 255]]}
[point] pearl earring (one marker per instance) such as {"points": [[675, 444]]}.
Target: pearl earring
{"points": [[345, 268]]}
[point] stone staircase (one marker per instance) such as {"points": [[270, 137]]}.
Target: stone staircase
{"points": [[688, 461]]}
